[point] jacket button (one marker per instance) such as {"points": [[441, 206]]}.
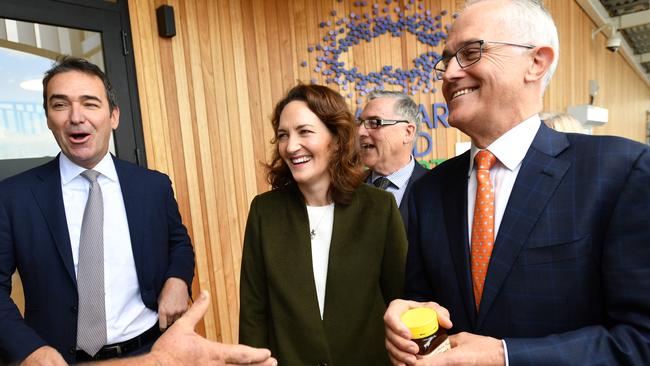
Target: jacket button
{"points": [[74, 309], [72, 351]]}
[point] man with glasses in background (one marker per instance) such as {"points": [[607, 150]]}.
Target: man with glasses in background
{"points": [[533, 244], [388, 128]]}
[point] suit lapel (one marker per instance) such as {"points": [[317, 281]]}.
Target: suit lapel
{"points": [[418, 172], [298, 249], [49, 196], [454, 197], [132, 194], [540, 174]]}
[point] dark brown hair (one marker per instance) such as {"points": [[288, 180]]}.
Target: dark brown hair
{"points": [[345, 167], [69, 63]]}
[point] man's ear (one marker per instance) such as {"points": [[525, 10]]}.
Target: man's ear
{"points": [[115, 117], [543, 57], [409, 134]]}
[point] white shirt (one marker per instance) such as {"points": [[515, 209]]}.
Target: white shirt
{"points": [[126, 315], [510, 150], [321, 223], [399, 180]]}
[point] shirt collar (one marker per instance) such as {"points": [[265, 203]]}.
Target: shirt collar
{"points": [[511, 148], [70, 170], [400, 177]]}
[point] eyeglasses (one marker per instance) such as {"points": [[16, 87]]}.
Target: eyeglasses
{"points": [[376, 123], [470, 54]]}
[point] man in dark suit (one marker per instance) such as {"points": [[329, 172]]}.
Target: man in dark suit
{"points": [[533, 244], [388, 128], [98, 242]]}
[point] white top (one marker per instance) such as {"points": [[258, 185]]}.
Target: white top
{"points": [[126, 315], [510, 150], [399, 180], [321, 222]]}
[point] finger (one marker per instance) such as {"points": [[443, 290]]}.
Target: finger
{"points": [[195, 313], [241, 354], [394, 361], [458, 339], [454, 356], [162, 321], [398, 341], [399, 356], [268, 362], [392, 318]]}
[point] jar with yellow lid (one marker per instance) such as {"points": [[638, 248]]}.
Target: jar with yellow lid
{"points": [[425, 331]]}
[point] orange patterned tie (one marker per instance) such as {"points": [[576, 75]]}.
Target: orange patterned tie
{"points": [[483, 224]]}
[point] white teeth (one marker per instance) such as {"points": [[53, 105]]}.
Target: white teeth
{"points": [[302, 159], [462, 92]]}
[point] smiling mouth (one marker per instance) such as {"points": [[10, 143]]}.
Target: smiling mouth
{"points": [[367, 146], [300, 160], [462, 92]]}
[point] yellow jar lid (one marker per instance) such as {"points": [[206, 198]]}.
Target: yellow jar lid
{"points": [[422, 322]]}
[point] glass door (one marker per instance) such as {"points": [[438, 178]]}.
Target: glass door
{"points": [[27, 50], [33, 34]]}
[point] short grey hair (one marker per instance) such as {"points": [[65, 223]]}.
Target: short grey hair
{"points": [[404, 106], [534, 24]]}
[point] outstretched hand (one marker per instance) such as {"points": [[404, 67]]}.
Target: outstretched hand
{"points": [[181, 345]]}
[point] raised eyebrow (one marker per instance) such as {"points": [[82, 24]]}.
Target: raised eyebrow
{"points": [[90, 97]]}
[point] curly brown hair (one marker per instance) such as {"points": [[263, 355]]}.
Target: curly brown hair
{"points": [[345, 166]]}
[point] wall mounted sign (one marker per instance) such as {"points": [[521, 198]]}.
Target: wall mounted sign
{"points": [[366, 23]]}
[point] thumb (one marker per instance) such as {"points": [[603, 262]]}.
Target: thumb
{"points": [[195, 313]]}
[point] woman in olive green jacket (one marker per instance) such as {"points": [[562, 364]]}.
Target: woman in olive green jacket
{"points": [[323, 252]]}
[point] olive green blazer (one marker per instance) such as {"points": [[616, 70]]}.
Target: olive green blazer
{"points": [[279, 307]]}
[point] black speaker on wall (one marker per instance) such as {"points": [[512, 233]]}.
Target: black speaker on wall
{"points": [[165, 18]]}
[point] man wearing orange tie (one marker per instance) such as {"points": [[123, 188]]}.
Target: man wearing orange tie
{"points": [[533, 244]]}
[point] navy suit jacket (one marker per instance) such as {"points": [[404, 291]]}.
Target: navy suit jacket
{"points": [[418, 172], [34, 239], [569, 278]]}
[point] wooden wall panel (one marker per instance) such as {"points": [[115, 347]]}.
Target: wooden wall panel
{"points": [[582, 58], [207, 95]]}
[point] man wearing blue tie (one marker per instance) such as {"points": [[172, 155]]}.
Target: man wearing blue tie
{"points": [[534, 244], [388, 128], [104, 258]]}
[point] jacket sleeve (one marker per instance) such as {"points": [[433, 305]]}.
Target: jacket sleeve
{"points": [[181, 253], [394, 259], [254, 297], [623, 337], [17, 339]]}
